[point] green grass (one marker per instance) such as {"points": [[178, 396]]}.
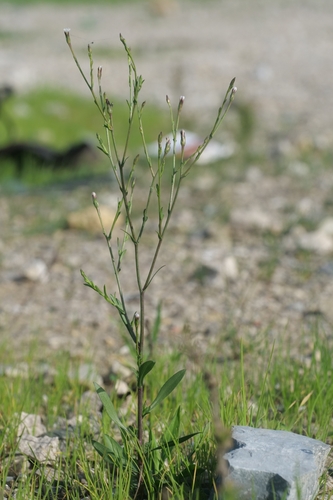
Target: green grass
{"points": [[58, 119], [282, 393], [72, 2]]}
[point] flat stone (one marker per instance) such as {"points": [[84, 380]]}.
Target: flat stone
{"points": [[43, 449], [267, 464], [87, 219]]}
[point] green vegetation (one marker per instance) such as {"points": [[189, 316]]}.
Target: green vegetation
{"points": [[142, 453], [291, 394], [59, 119], [137, 450]]}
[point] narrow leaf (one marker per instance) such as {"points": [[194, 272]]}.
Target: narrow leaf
{"points": [[144, 369], [90, 284], [172, 431], [165, 390], [306, 399], [292, 404], [172, 443], [108, 406]]}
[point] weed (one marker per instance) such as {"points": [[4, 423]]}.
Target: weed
{"points": [[143, 458]]}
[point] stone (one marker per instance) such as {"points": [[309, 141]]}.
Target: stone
{"points": [[213, 152], [266, 464], [90, 402], [255, 219], [31, 425], [121, 388], [43, 449], [319, 241], [87, 219], [36, 270], [230, 268], [86, 373]]}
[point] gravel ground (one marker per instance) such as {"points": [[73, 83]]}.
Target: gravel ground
{"points": [[218, 273], [279, 51], [250, 253]]}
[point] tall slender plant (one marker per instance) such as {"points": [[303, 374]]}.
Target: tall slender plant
{"points": [[148, 456]]}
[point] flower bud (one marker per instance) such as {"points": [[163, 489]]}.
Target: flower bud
{"points": [[167, 147], [67, 35], [181, 102], [99, 72], [159, 143], [109, 106], [182, 138], [94, 199], [167, 99]]}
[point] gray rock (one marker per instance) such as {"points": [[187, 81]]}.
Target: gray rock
{"points": [[90, 402], [85, 373], [30, 424], [43, 449], [267, 464]]}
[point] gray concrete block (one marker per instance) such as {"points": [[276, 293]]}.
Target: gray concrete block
{"points": [[272, 465]]}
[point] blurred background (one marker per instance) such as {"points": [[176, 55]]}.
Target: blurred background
{"points": [[256, 203], [279, 51]]}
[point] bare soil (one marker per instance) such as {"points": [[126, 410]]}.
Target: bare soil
{"points": [[225, 277]]}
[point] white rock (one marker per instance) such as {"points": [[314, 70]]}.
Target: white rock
{"points": [[230, 267], [213, 152], [31, 425], [320, 241], [316, 241], [121, 388], [36, 270], [120, 369], [326, 227], [256, 219]]}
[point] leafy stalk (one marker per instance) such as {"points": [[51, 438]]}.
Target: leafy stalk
{"points": [[152, 454]]}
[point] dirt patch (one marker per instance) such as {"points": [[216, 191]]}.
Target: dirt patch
{"points": [[234, 260]]}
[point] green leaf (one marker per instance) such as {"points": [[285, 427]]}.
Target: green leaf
{"points": [[90, 284], [101, 145], [165, 390], [144, 369], [172, 431], [108, 406], [232, 83], [105, 453], [173, 442], [115, 448], [153, 459]]}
